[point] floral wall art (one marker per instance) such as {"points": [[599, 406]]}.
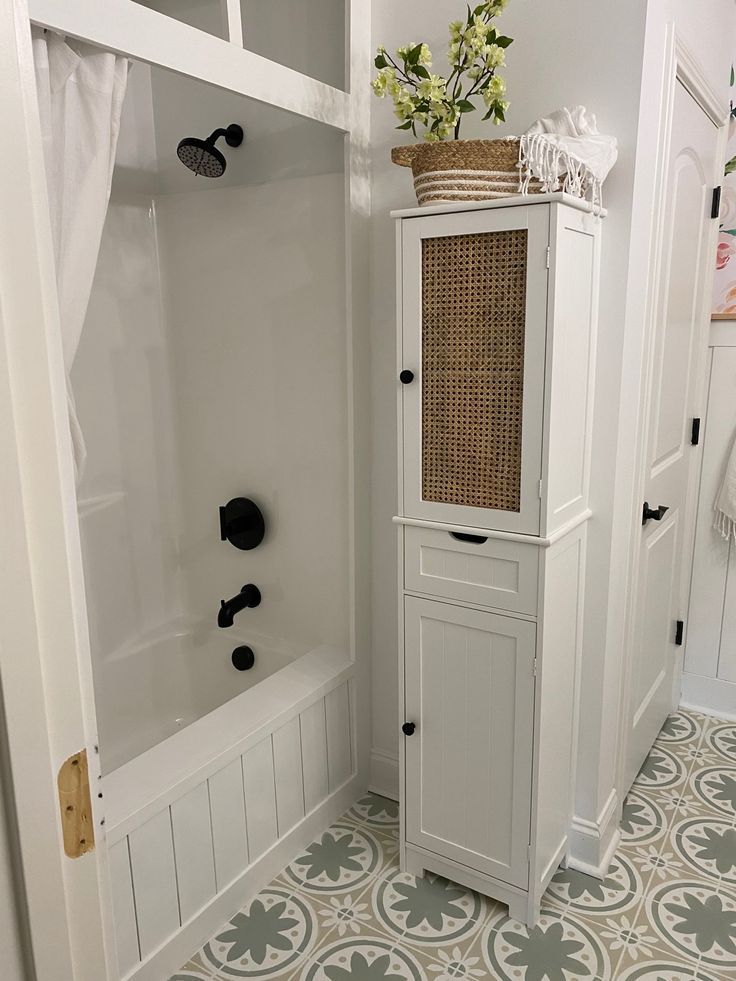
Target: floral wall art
{"points": [[724, 288]]}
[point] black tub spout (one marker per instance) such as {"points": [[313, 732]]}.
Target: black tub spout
{"points": [[249, 596]]}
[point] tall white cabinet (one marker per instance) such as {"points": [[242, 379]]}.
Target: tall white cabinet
{"points": [[496, 348]]}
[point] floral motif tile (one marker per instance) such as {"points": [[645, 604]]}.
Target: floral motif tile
{"points": [[662, 770], [580, 893], [706, 846], [666, 911], [556, 949], [697, 921]]}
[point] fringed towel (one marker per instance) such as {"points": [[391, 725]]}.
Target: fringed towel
{"points": [[566, 152], [725, 506]]}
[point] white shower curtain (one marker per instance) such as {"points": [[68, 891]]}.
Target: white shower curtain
{"points": [[80, 98]]}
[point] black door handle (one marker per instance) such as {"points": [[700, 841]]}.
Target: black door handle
{"points": [[656, 514], [408, 728], [406, 376]]}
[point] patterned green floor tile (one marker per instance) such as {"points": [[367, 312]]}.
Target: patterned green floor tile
{"points": [[620, 891], [696, 921], [706, 847], [558, 948], [270, 938], [666, 911]]}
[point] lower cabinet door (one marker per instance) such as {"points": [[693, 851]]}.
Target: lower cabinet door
{"points": [[469, 689]]}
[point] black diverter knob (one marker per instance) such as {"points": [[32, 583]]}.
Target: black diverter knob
{"points": [[408, 728]]}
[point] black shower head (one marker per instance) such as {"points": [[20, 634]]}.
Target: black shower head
{"points": [[202, 156]]}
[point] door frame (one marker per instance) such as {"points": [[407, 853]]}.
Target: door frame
{"points": [[680, 67], [44, 650]]}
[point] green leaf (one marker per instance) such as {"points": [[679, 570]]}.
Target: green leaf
{"points": [[465, 106], [406, 125], [730, 166], [421, 71], [729, 231], [479, 9], [488, 114], [380, 61], [733, 75], [503, 42], [413, 56], [499, 113]]}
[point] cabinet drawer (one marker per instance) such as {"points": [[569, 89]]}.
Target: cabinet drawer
{"points": [[493, 572]]}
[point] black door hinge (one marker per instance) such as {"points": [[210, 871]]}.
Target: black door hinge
{"points": [[695, 432], [715, 206], [679, 630]]}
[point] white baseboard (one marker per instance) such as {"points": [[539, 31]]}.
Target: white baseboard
{"points": [[709, 696], [384, 778], [177, 950], [593, 843]]}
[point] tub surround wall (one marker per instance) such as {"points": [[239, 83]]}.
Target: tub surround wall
{"points": [[253, 284]]}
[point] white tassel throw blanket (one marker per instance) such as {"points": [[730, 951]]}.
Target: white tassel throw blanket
{"points": [[725, 506], [565, 151]]}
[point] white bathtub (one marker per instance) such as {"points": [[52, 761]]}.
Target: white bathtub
{"points": [[171, 678], [212, 810]]}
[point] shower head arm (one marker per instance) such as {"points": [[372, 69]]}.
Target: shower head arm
{"points": [[233, 135]]}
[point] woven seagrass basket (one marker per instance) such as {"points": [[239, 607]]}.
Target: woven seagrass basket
{"points": [[463, 170]]}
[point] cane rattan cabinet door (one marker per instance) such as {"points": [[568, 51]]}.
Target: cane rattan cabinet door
{"points": [[469, 690], [474, 303]]}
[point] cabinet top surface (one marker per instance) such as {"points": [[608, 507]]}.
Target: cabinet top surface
{"points": [[513, 201]]}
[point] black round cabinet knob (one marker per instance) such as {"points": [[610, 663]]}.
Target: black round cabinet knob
{"points": [[406, 376], [408, 728], [243, 658]]}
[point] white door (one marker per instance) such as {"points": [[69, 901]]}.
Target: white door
{"points": [[473, 307], [677, 349], [469, 690]]}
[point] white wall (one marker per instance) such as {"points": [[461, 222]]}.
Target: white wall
{"points": [[254, 296]]}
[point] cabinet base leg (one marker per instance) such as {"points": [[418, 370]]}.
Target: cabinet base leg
{"points": [[518, 908], [413, 864]]}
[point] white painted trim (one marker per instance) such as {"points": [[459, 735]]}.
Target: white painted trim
{"points": [[384, 774], [178, 949], [709, 696], [512, 201], [149, 36], [147, 784], [593, 843], [233, 17], [694, 78], [509, 536]]}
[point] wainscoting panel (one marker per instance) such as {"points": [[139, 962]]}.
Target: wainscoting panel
{"points": [[172, 868], [193, 852]]}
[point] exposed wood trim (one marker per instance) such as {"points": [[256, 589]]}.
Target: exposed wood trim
{"points": [[75, 806]]}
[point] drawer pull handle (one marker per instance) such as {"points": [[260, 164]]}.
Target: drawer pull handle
{"points": [[462, 536]]}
